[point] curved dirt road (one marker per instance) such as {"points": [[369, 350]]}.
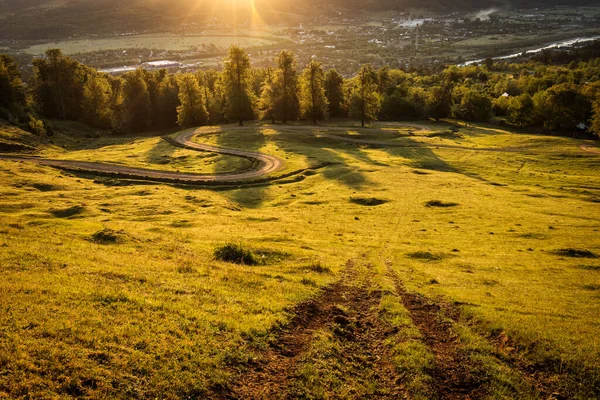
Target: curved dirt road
{"points": [[267, 164]]}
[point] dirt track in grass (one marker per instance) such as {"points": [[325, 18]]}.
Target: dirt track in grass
{"points": [[350, 312]]}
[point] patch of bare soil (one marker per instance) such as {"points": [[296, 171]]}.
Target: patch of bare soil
{"points": [[452, 375], [350, 312]]}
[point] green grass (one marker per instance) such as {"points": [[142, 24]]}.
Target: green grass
{"points": [[145, 152], [154, 314]]}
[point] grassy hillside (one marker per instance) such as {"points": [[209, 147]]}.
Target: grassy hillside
{"points": [[484, 238], [14, 139]]}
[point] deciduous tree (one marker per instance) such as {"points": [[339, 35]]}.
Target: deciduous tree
{"points": [[136, 101], [312, 92], [240, 99], [364, 100], [287, 105], [334, 92], [192, 111]]}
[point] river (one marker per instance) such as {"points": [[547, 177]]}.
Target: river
{"points": [[555, 45]]}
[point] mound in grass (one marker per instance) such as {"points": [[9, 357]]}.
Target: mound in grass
{"points": [[236, 254], [426, 256], [441, 204], [108, 236], [67, 212], [368, 201], [575, 253]]}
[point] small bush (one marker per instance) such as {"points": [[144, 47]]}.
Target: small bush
{"points": [[37, 127], [318, 268], [236, 254]]}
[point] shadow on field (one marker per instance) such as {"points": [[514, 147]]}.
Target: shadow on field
{"points": [[251, 197], [318, 150], [300, 140], [161, 153]]}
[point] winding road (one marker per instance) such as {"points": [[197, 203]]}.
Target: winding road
{"points": [[265, 166]]}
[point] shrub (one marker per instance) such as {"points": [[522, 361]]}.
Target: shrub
{"points": [[236, 254], [36, 126]]}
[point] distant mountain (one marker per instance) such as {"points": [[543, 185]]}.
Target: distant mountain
{"points": [[50, 19]]}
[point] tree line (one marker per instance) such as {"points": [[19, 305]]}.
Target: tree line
{"points": [[530, 94]]}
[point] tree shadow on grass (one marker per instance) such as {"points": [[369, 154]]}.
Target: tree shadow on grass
{"points": [[418, 155], [234, 137], [325, 150], [161, 153]]}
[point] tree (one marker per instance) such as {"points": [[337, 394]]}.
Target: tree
{"points": [[12, 98], [403, 105], [312, 92], [168, 101], [287, 105], [439, 103], [268, 96], [153, 80], [238, 86], [334, 92], [96, 109], [562, 107], [136, 101], [473, 106], [192, 111], [364, 100], [383, 79], [57, 85], [521, 110], [595, 120]]}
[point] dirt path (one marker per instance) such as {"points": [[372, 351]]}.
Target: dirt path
{"points": [[452, 373], [266, 164], [347, 310], [590, 149]]}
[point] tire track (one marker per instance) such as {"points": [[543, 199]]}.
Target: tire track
{"points": [[350, 312], [452, 371]]}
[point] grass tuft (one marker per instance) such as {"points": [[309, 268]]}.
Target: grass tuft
{"points": [[319, 268], [236, 254]]}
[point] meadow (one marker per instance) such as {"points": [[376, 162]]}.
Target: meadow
{"points": [[443, 261]]}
